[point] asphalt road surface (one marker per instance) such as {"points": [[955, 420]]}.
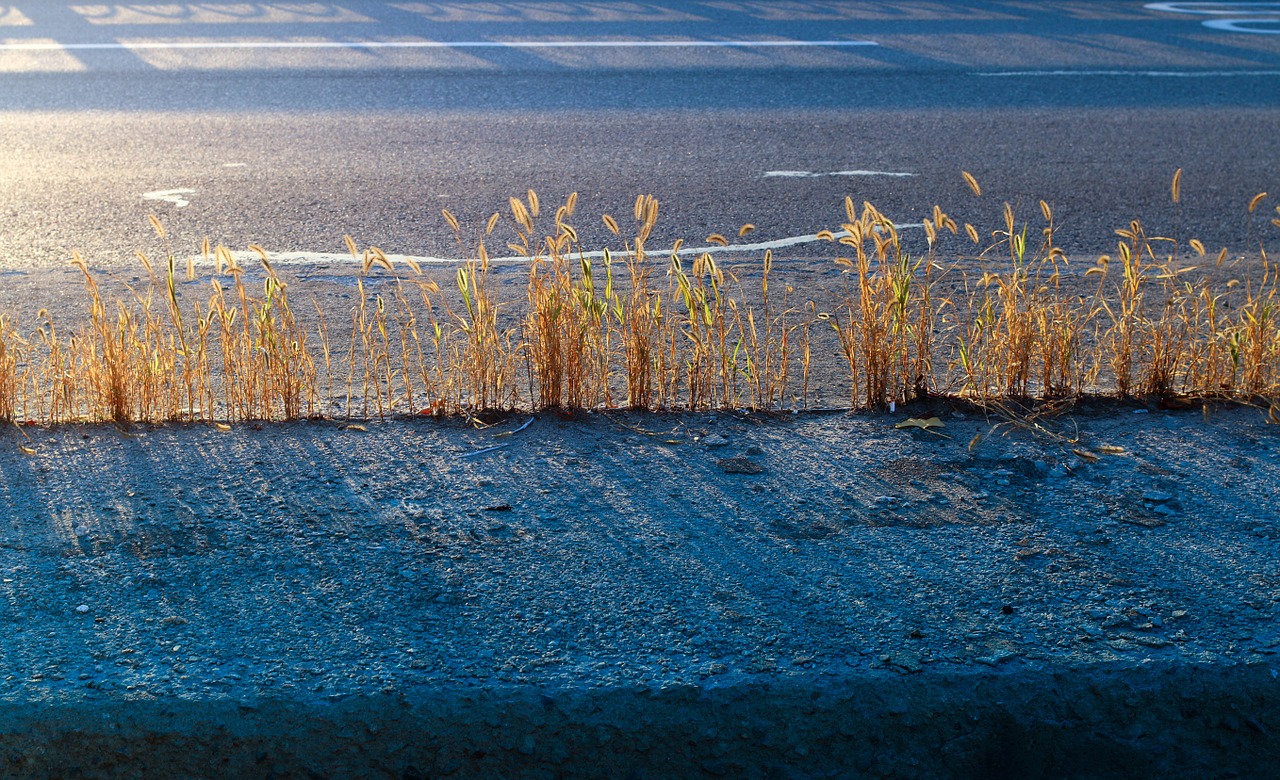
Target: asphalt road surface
{"points": [[291, 124]]}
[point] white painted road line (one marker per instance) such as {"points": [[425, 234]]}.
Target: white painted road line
{"points": [[1217, 8], [247, 259], [816, 174], [1255, 26], [1181, 74], [139, 45], [1259, 18], [170, 196]]}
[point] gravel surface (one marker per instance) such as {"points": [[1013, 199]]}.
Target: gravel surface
{"points": [[789, 595]]}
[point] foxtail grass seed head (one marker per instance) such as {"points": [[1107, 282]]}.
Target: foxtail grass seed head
{"points": [[521, 214], [972, 182], [1253, 204], [1175, 189]]}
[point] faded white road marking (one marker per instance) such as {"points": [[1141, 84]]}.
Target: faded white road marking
{"points": [[1217, 9], [170, 196], [235, 165], [247, 259], [1260, 18], [1182, 74], [816, 174], [697, 44], [1245, 25]]}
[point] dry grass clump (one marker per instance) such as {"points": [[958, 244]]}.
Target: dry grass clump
{"points": [[677, 329]]}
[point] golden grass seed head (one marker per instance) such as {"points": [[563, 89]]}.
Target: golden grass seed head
{"points": [[263, 258], [612, 225], [533, 203], [225, 260], [849, 211], [972, 232], [1253, 204], [520, 214], [351, 247], [1046, 211], [745, 229], [492, 223], [157, 226], [650, 214], [1197, 246], [972, 182], [717, 239], [451, 219], [1175, 189]]}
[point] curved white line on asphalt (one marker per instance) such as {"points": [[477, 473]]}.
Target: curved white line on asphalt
{"points": [[42, 46], [1216, 9], [1244, 25], [297, 258], [1157, 73], [816, 174]]}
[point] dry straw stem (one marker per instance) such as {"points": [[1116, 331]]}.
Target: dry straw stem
{"points": [[628, 327]]}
